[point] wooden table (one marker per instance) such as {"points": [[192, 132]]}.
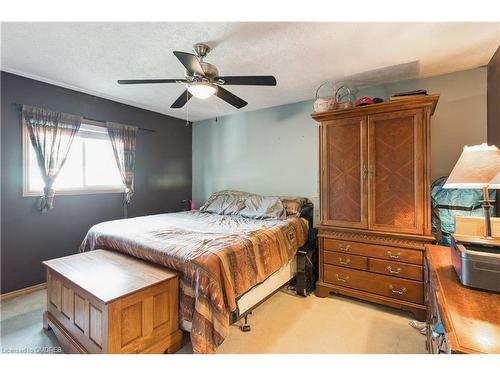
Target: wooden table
{"points": [[470, 318], [107, 302]]}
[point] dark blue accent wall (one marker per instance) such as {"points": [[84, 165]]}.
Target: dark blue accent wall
{"points": [[163, 179]]}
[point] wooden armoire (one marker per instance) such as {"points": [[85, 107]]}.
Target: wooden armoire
{"points": [[375, 216]]}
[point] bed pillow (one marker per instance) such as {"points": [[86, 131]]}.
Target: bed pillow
{"points": [[294, 205], [226, 202], [259, 207]]}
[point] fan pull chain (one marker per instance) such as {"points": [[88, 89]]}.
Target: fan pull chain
{"points": [[217, 110]]}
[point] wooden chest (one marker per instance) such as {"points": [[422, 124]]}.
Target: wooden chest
{"points": [[374, 164], [107, 302]]}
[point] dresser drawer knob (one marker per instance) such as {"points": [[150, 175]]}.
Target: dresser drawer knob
{"points": [[396, 271], [343, 247], [344, 261], [341, 279], [396, 291], [393, 256]]}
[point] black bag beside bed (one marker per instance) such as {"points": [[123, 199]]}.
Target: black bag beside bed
{"points": [[307, 257]]}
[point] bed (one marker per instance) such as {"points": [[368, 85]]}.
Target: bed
{"points": [[231, 254]]}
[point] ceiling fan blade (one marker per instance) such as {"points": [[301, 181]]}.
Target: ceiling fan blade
{"points": [[140, 81], [182, 99], [232, 99], [190, 62], [248, 80]]}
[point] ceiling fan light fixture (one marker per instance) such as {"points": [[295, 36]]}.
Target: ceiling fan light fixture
{"points": [[202, 79], [202, 90]]}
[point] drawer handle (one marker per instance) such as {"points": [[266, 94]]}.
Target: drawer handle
{"points": [[396, 271], [393, 256], [341, 279], [395, 291], [346, 261], [344, 248]]}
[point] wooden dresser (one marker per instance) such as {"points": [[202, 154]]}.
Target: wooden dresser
{"points": [[459, 319], [107, 302], [375, 216]]}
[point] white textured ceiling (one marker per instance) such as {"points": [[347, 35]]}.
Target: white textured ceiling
{"points": [[90, 57]]}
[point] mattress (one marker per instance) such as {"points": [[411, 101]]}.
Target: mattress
{"points": [[266, 288]]}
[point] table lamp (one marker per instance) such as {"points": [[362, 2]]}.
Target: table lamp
{"points": [[477, 168]]}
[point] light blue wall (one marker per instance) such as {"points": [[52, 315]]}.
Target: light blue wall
{"points": [[271, 151], [274, 150]]}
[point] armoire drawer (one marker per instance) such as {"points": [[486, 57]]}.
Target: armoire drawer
{"points": [[345, 260], [405, 270], [377, 251], [388, 286]]}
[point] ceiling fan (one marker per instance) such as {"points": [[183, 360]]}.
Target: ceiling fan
{"points": [[202, 79]]}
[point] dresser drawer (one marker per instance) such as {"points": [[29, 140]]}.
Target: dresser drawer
{"points": [[345, 260], [388, 286], [377, 251], [408, 271]]}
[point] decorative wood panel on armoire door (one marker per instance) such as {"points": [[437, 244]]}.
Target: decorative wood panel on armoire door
{"points": [[344, 152], [375, 201]]}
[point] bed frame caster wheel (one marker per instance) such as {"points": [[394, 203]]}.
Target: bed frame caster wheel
{"points": [[246, 327]]}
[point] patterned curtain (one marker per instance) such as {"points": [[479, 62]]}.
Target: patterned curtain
{"points": [[123, 138], [51, 134]]}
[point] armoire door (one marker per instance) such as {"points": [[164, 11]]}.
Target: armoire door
{"points": [[343, 172], [396, 171]]}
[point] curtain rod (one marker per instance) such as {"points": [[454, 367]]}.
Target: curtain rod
{"points": [[92, 119], [104, 124]]}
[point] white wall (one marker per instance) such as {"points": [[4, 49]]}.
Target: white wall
{"points": [[274, 150]]}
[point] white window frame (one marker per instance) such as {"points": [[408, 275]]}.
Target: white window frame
{"points": [[78, 191]]}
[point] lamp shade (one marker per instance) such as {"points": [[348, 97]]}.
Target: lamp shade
{"points": [[477, 167]]}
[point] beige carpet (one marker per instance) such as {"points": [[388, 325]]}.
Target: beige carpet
{"points": [[286, 323]]}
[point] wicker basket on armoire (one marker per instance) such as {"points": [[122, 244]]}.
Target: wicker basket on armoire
{"points": [[375, 214]]}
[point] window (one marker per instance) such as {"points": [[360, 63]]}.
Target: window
{"points": [[90, 166]]}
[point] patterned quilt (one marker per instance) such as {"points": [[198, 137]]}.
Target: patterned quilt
{"points": [[219, 258]]}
